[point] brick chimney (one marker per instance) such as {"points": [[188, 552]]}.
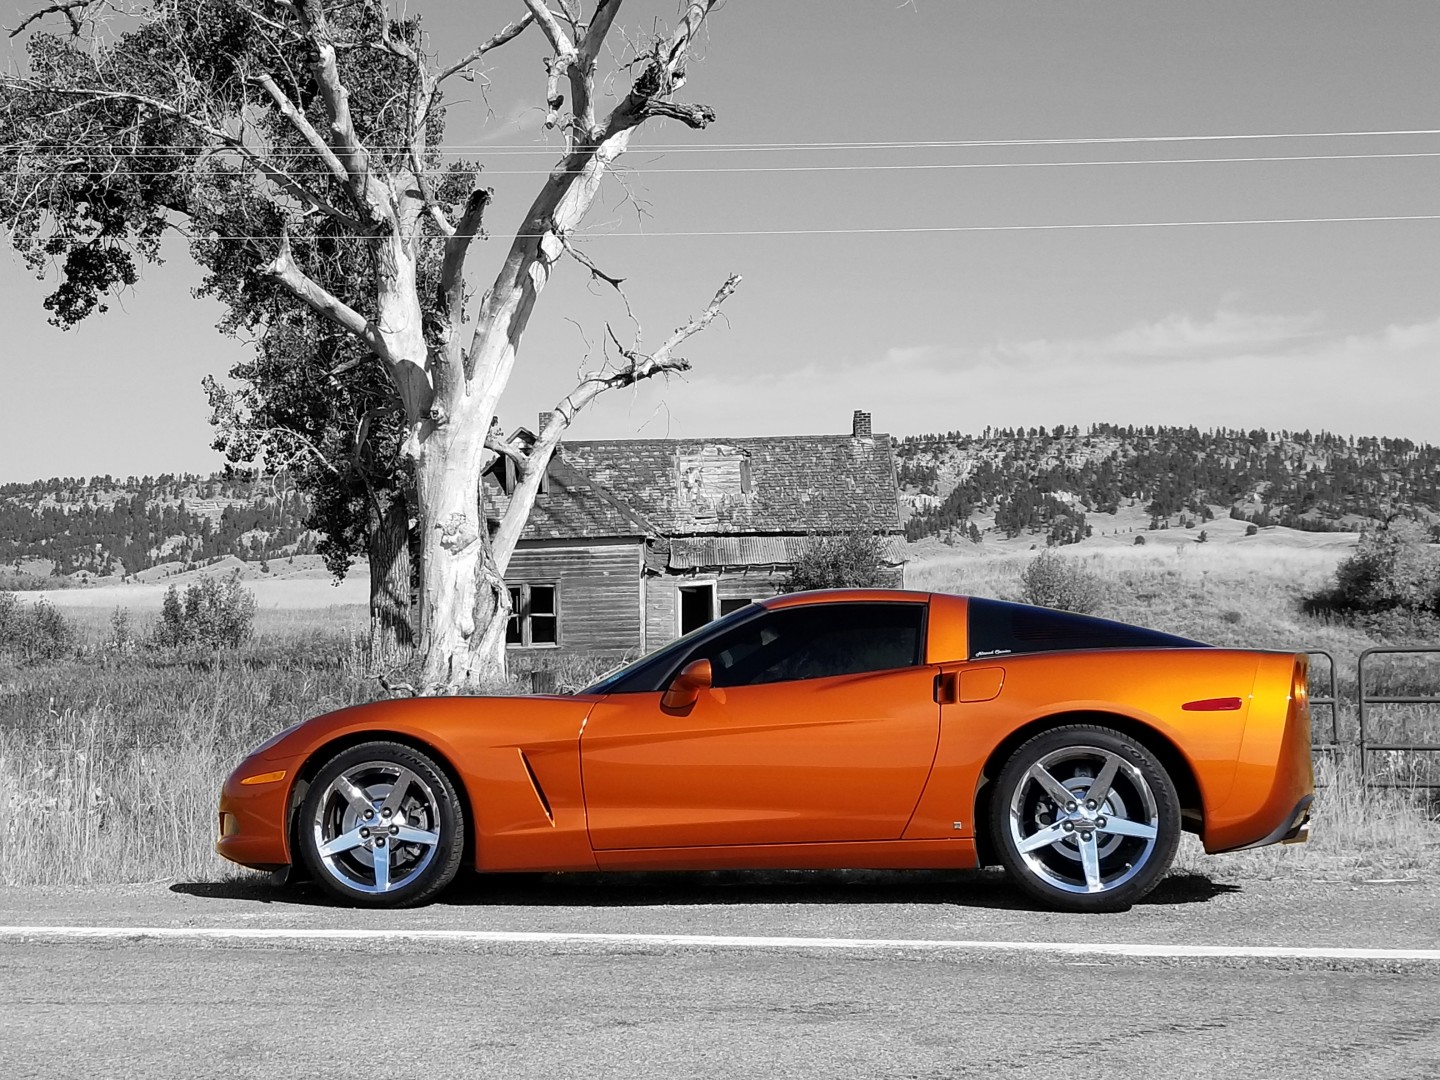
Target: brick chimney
{"points": [[544, 419], [861, 426]]}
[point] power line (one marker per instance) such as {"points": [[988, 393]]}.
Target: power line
{"points": [[905, 230], [757, 147], [908, 167]]}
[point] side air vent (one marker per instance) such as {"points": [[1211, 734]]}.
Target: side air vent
{"points": [[535, 783]]}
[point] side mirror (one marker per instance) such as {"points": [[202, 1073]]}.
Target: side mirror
{"points": [[684, 689]]}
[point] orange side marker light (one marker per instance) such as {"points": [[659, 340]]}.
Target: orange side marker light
{"points": [[264, 777]]}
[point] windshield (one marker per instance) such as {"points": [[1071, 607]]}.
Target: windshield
{"points": [[653, 672]]}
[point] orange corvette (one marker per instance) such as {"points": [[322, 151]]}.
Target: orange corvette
{"points": [[849, 728]]}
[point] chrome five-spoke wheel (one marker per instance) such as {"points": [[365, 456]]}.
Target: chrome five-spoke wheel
{"points": [[381, 826], [1085, 818]]}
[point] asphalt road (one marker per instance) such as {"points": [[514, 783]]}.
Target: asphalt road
{"points": [[128, 1005]]}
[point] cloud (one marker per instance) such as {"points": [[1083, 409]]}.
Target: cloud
{"points": [[1175, 338]]}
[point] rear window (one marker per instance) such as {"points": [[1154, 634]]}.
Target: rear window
{"points": [[998, 628]]}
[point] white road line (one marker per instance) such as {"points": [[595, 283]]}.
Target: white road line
{"points": [[703, 941]]}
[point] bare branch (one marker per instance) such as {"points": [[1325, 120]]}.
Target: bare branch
{"points": [[63, 7], [592, 385], [700, 322], [595, 272], [650, 93], [512, 31], [582, 69], [554, 32], [457, 244], [303, 288], [343, 139], [506, 449], [302, 124]]}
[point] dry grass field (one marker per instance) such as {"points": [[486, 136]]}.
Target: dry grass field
{"points": [[110, 763]]}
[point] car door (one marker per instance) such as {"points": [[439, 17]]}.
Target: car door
{"points": [[821, 725]]}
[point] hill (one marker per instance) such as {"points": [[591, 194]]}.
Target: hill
{"points": [[100, 527], [1016, 482], [1007, 487]]}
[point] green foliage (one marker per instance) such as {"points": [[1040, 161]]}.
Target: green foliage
{"points": [[853, 560], [1395, 570], [34, 632], [1052, 580], [212, 614]]}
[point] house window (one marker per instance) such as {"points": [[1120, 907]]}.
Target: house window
{"points": [[729, 605], [697, 606], [534, 615]]}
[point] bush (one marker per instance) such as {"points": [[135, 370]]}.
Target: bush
{"points": [[34, 632], [854, 560], [1052, 580], [212, 614], [1394, 571]]}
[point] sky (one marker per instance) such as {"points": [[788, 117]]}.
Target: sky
{"points": [[937, 286]]}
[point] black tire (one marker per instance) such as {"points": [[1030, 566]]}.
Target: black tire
{"points": [[1077, 853], [370, 846]]}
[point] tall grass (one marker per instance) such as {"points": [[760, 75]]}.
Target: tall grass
{"points": [[110, 767]]}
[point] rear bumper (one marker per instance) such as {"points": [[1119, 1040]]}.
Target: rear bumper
{"points": [[1294, 830]]}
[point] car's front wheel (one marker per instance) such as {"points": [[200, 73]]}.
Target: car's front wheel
{"points": [[381, 826], [1085, 818]]}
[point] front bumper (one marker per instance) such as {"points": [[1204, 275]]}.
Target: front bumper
{"points": [[253, 817]]}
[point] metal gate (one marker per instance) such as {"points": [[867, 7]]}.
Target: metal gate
{"points": [[1366, 701]]}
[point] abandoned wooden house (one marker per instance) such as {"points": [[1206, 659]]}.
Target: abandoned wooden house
{"points": [[633, 542]]}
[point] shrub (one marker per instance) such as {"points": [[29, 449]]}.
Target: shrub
{"points": [[1395, 570], [853, 560], [35, 631], [1052, 580], [212, 614], [1139, 540]]}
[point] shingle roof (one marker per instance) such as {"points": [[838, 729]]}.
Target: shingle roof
{"points": [[775, 484], [574, 508]]}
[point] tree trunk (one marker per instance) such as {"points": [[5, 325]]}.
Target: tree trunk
{"points": [[464, 604], [392, 635]]}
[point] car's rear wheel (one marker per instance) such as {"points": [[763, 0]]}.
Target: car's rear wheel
{"points": [[1085, 819], [381, 826]]}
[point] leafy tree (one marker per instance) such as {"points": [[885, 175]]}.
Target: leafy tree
{"points": [[296, 145], [853, 560]]}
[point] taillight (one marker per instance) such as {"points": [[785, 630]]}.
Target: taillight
{"points": [[1300, 683]]}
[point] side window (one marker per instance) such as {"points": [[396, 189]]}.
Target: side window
{"points": [[816, 642]]}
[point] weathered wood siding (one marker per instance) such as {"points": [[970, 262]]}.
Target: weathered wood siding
{"points": [[662, 595], [599, 584], [662, 604]]}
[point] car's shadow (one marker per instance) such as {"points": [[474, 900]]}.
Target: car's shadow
{"points": [[948, 888]]}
